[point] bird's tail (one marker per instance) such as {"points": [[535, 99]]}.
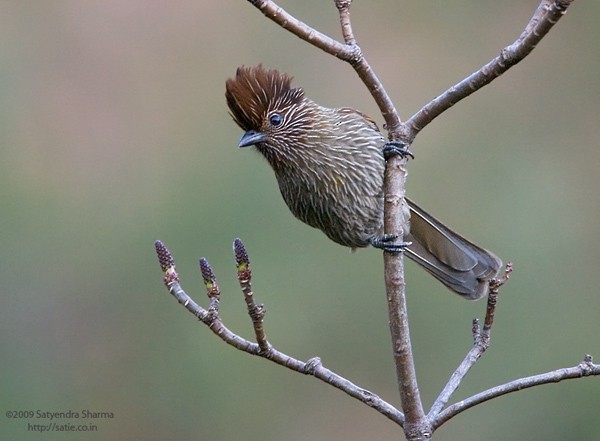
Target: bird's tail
{"points": [[458, 263]]}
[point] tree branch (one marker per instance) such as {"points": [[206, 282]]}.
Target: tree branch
{"points": [[305, 32], [584, 369], [416, 425], [314, 366], [545, 16], [263, 348], [481, 341]]}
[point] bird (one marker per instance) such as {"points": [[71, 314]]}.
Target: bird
{"points": [[329, 164]]}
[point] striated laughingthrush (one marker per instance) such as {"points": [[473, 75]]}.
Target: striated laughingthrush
{"points": [[329, 165]]}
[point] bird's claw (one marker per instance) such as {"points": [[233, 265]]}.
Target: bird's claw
{"points": [[386, 243], [393, 148]]}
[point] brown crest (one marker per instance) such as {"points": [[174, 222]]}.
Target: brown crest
{"points": [[255, 91]]}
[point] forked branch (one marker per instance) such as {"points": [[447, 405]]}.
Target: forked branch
{"points": [[481, 341], [211, 318], [584, 369], [437, 416]]}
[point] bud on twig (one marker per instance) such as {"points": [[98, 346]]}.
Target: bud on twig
{"points": [[242, 262], [164, 256], [212, 289], [167, 263]]}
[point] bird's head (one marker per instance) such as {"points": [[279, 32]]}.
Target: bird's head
{"points": [[272, 114]]}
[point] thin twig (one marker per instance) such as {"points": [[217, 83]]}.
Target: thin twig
{"points": [[305, 32], [583, 369], [545, 16], [255, 310], [481, 341], [344, 11]]}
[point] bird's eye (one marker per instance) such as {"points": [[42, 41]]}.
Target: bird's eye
{"points": [[276, 119]]}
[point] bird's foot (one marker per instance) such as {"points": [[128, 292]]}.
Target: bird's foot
{"points": [[393, 148], [386, 243]]}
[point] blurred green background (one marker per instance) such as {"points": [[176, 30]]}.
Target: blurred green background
{"points": [[114, 132]]}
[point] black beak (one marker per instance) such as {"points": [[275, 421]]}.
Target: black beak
{"points": [[252, 137]]}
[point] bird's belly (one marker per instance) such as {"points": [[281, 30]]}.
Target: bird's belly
{"points": [[345, 218]]}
